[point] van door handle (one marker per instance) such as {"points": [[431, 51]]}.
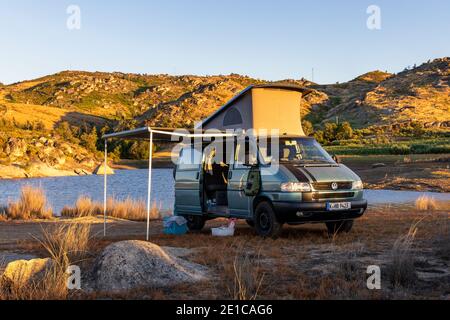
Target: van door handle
{"points": [[197, 176], [230, 175]]}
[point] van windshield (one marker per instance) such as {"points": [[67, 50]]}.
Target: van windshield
{"points": [[301, 150]]}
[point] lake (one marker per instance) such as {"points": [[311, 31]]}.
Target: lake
{"points": [[64, 191]]}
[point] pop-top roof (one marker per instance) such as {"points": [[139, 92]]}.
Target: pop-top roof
{"points": [[235, 99]]}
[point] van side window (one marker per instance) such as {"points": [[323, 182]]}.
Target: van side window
{"points": [[190, 159]]}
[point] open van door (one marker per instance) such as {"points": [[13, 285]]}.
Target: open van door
{"points": [[243, 180], [189, 182]]}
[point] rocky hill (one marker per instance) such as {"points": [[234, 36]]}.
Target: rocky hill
{"points": [[34, 110], [381, 99]]}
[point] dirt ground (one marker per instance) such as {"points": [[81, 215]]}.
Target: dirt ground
{"points": [[392, 172], [304, 263]]}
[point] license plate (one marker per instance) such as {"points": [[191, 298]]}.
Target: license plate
{"points": [[337, 206]]}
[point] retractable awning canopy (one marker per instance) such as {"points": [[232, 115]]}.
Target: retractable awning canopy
{"points": [[164, 134]]}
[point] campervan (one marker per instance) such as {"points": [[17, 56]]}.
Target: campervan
{"points": [[267, 173]]}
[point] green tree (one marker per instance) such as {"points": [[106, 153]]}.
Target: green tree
{"points": [[344, 131], [65, 131], [89, 140], [329, 132], [318, 135], [307, 127]]}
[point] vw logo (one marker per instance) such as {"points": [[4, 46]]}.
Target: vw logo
{"points": [[334, 186]]}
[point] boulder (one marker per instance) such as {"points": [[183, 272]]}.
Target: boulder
{"points": [[81, 172], [23, 272], [101, 170], [134, 264], [88, 162], [15, 148]]}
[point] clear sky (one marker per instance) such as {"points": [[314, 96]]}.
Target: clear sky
{"points": [[270, 40]]}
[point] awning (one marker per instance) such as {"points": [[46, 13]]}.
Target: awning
{"points": [[151, 135], [164, 134]]}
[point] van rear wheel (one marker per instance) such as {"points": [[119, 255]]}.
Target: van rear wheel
{"points": [[339, 226], [266, 223], [195, 223]]}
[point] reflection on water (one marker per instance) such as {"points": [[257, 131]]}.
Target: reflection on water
{"points": [[64, 191]]}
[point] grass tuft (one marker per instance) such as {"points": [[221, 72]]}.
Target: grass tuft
{"points": [[426, 203], [401, 270], [31, 205], [128, 209], [246, 275]]}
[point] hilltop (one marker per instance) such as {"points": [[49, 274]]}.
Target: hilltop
{"points": [[74, 107], [420, 94]]}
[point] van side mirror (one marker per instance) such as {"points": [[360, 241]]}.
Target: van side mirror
{"points": [[335, 158]]}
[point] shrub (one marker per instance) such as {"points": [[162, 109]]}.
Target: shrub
{"points": [[329, 132], [307, 127], [344, 131], [89, 140]]}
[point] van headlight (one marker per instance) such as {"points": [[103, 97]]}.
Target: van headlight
{"points": [[296, 187], [357, 185]]}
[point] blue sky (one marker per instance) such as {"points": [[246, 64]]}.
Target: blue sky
{"points": [[263, 39]]}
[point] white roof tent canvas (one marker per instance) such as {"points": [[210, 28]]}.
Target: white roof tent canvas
{"points": [[268, 107], [150, 134]]}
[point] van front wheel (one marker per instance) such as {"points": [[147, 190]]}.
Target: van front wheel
{"points": [[195, 223], [266, 223]]}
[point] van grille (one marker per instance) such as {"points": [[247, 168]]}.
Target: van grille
{"points": [[321, 186], [336, 195]]}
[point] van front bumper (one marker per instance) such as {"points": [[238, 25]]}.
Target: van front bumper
{"points": [[295, 212]]}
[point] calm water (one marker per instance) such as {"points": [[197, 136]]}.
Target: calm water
{"points": [[63, 191]]}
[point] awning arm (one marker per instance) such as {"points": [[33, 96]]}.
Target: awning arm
{"points": [[149, 190], [105, 187]]}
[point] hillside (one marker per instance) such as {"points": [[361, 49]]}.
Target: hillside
{"points": [[65, 107], [380, 99]]}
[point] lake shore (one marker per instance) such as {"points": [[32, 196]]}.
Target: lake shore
{"points": [[425, 173]]}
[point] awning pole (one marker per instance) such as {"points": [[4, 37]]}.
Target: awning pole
{"points": [[104, 188], [150, 158]]}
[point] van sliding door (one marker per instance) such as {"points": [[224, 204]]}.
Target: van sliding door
{"points": [[188, 178]]}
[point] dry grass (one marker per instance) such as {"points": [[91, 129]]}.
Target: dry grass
{"points": [[303, 263], [84, 207], [401, 269], [128, 209], [31, 205], [426, 203], [247, 277], [66, 244]]}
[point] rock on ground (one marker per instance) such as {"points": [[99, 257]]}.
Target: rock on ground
{"points": [[137, 264], [22, 272]]}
